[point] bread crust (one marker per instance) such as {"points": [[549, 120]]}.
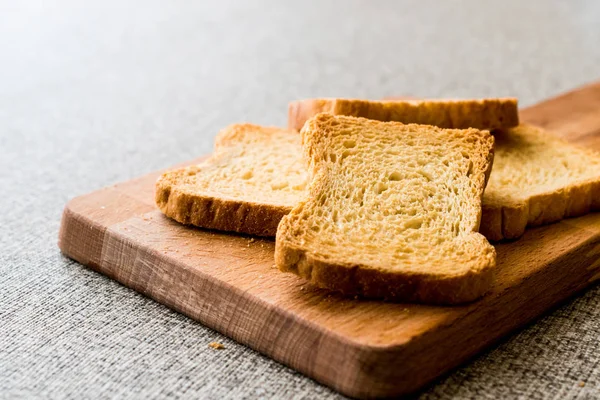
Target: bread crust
{"points": [[459, 114], [364, 281]]}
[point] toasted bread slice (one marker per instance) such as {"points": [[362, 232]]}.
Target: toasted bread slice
{"points": [[461, 114], [254, 178], [537, 179], [392, 211]]}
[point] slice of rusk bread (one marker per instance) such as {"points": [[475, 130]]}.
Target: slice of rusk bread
{"points": [[254, 178], [392, 211], [461, 114], [537, 179]]}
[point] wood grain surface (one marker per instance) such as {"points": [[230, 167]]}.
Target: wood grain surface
{"points": [[361, 348]]}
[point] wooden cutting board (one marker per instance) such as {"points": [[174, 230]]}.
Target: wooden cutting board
{"points": [[360, 348]]}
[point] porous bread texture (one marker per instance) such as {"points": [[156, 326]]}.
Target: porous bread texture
{"points": [[392, 211], [461, 114], [252, 180], [537, 179]]}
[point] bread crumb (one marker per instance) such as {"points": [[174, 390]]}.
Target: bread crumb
{"points": [[581, 384], [216, 345]]}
